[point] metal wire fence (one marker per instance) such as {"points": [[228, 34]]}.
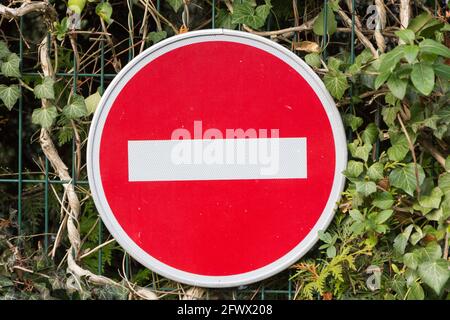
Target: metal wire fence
{"points": [[279, 287]]}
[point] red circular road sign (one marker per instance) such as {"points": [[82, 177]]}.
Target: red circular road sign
{"points": [[215, 157]]}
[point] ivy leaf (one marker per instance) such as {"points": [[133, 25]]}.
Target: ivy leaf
{"points": [[313, 59], [415, 292], [434, 47], [411, 52], [370, 134], [444, 184], [45, 89], [433, 200], [410, 260], [104, 11], [383, 200], [356, 215], [352, 121], [390, 114], [360, 152], [318, 26], [175, 4], [366, 188], [447, 163], [435, 274], [430, 253], [9, 95], [406, 35], [397, 86], [354, 169], [157, 36], [401, 241], [334, 64], [4, 51], [430, 122], [422, 76], [263, 11], [10, 68], [399, 148], [92, 102], [76, 108], [244, 13], [405, 178], [375, 171], [336, 83], [383, 216], [44, 116], [446, 27], [224, 19], [435, 215]]}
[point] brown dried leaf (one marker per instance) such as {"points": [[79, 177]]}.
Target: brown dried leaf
{"points": [[307, 46]]}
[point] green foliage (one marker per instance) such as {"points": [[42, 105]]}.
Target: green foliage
{"points": [[61, 28], [44, 116], [313, 59], [319, 23], [9, 95], [76, 108], [422, 76], [10, 66], [76, 5], [406, 35], [248, 13], [104, 11], [405, 177], [4, 50], [92, 102], [224, 19], [45, 90], [157, 36], [175, 4], [395, 204]]}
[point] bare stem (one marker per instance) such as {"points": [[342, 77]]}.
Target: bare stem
{"points": [[413, 153]]}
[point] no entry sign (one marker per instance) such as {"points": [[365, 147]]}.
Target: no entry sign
{"points": [[215, 157]]}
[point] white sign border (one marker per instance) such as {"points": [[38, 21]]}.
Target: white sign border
{"points": [[96, 129]]}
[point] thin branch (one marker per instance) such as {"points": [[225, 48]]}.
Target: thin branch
{"points": [[104, 244], [28, 7], [445, 255], [31, 271], [116, 62], [305, 26], [433, 151], [152, 8], [366, 42], [380, 25], [413, 153], [364, 95], [405, 13]]}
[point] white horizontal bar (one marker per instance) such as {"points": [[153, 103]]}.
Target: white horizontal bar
{"points": [[217, 159]]}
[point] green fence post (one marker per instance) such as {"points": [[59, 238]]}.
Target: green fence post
{"points": [[19, 144]]}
